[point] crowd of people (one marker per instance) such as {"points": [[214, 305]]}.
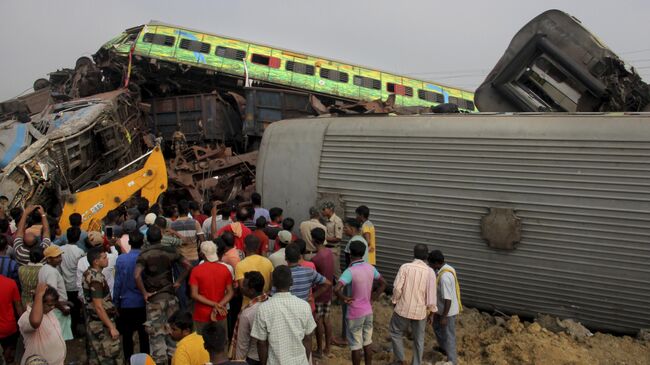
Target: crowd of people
{"points": [[232, 283]]}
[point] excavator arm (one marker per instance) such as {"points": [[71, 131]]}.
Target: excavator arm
{"points": [[94, 204]]}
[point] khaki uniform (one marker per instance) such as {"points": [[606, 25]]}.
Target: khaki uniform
{"points": [[102, 349], [305, 231]]}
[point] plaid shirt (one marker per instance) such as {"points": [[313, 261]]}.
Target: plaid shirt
{"points": [[284, 320]]}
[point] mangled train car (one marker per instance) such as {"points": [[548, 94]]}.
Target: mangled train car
{"points": [[554, 64], [69, 146]]}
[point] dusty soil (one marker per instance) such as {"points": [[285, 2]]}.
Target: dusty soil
{"points": [[486, 339]]}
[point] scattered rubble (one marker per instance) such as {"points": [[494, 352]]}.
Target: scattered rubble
{"points": [[482, 340]]}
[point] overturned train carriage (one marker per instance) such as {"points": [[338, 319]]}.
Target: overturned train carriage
{"points": [[69, 146], [539, 213]]}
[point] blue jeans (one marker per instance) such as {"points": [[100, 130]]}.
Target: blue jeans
{"points": [[446, 337]]}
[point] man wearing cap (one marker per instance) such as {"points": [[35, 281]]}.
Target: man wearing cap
{"points": [[96, 239], [277, 258], [210, 288], [50, 275], [305, 231], [149, 220], [333, 233]]}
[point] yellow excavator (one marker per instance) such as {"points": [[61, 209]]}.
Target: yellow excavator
{"points": [[94, 204]]}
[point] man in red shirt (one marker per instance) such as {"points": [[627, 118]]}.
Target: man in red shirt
{"points": [[238, 229], [10, 304], [324, 261], [211, 288], [260, 224]]}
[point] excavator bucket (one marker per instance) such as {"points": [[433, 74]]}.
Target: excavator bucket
{"points": [[94, 204]]}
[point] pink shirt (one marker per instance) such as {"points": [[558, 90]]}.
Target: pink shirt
{"points": [[361, 276], [46, 340], [414, 290]]}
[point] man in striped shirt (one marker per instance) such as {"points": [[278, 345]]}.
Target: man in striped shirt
{"points": [[304, 278], [190, 230], [414, 296], [24, 241]]}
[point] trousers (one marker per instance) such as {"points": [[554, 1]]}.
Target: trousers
{"points": [[399, 325], [446, 337], [161, 344], [132, 320], [102, 348]]}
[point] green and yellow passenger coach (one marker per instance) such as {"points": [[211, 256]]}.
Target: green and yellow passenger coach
{"points": [[281, 67]]}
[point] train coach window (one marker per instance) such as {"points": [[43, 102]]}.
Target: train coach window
{"points": [[431, 96], [300, 68], [194, 46], [232, 53], [334, 75], [259, 59], [399, 89], [159, 39], [367, 82], [462, 103]]}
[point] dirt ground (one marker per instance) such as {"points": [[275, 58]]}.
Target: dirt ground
{"points": [[486, 339]]}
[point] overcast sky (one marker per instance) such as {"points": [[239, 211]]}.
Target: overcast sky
{"points": [[452, 42]]}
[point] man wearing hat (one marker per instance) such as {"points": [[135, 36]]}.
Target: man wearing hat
{"points": [[210, 288], [277, 258], [50, 275], [149, 220]]}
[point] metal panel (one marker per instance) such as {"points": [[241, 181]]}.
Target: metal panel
{"points": [[580, 185]]}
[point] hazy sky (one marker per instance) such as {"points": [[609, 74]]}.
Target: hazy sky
{"points": [[452, 42]]}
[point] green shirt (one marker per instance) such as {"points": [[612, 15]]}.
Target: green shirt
{"points": [[95, 286]]}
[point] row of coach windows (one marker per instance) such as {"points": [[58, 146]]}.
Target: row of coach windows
{"points": [[305, 69]]}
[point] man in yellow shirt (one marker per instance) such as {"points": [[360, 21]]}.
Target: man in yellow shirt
{"points": [[368, 232], [253, 262], [189, 346]]}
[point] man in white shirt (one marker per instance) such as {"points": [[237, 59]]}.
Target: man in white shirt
{"points": [[283, 325], [71, 255], [277, 258], [448, 292]]}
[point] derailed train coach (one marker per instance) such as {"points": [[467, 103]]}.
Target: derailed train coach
{"points": [[539, 213], [542, 210], [67, 147]]}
